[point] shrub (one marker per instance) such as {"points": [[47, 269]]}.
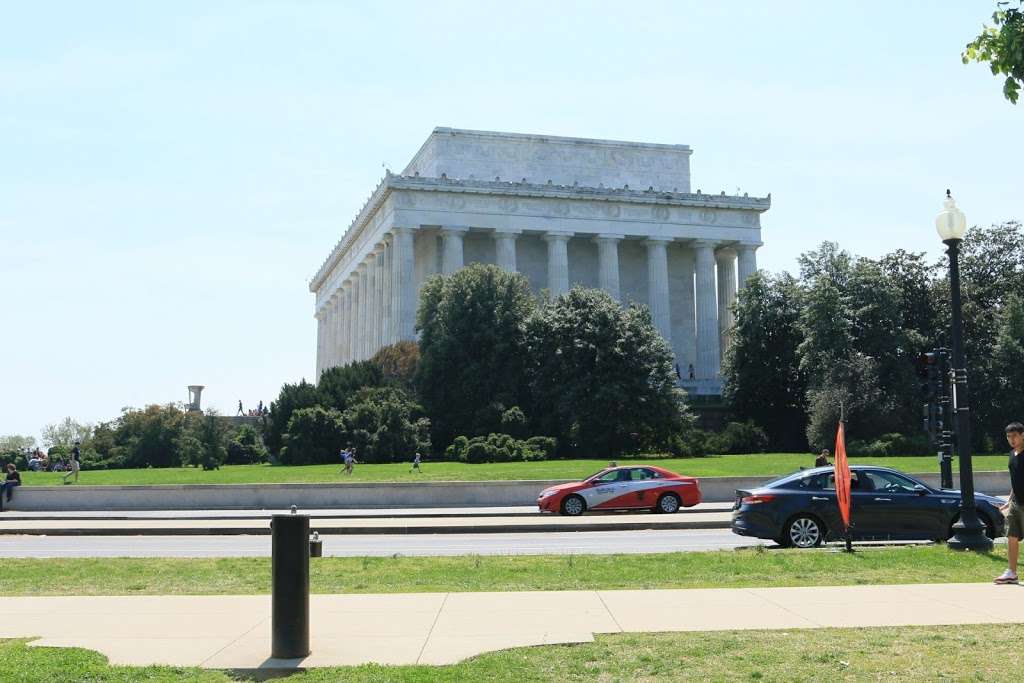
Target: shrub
{"points": [[739, 437], [513, 422], [386, 425], [692, 443], [314, 435], [500, 448], [891, 444], [246, 447]]}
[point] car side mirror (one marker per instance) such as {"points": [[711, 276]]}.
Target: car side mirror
{"points": [[920, 490]]}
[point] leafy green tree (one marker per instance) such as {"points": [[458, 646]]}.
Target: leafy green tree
{"points": [[602, 378], [339, 384], [245, 447], [763, 381], [472, 349], [1002, 46], [398, 362], [386, 425], [147, 437], [292, 397], [65, 433], [1008, 358], [315, 435], [15, 442]]}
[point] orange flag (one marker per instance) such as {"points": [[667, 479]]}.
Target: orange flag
{"points": [[842, 476]]}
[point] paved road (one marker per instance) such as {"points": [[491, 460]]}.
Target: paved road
{"points": [[560, 543]]}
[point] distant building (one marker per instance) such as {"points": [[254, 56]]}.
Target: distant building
{"points": [[562, 211]]}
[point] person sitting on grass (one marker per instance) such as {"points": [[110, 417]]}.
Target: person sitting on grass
{"points": [[13, 479]]}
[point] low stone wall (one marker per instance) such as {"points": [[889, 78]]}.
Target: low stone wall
{"points": [[390, 495]]}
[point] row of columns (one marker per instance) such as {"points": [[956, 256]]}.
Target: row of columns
{"points": [[376, 305]]}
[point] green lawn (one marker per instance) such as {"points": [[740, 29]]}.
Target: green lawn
{"points": [[989, 652], [717, 569], [763, 464]]}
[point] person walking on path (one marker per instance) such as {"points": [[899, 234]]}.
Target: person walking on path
{"points": [[1013, 509], [343, 455], [416, 464], [240, 411], [822, 459], [76, 463], [13, 479]]}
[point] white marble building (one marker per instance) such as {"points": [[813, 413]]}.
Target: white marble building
{"points": [[561, 211]]}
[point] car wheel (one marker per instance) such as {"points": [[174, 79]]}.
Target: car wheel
{"points": [[804, 531], [573, 506], [990, 530], [668, 503]]}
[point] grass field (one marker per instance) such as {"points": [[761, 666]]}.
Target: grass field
{"points": [[718, 569], [920, 653], [761, 464]]}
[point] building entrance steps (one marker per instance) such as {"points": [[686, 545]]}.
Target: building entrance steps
{"points": [[233, 632]]}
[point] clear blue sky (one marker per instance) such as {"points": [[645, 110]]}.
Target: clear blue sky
{"points": [[171, 176]]}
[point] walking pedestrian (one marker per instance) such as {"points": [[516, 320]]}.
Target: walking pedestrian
{"points": [[350, 461], [343, 455], [13, 479], [75, 464], [1013, 509], [416, 464], [240, 411]]}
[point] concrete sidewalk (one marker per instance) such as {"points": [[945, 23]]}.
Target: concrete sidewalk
{"points": [[233, 632]]}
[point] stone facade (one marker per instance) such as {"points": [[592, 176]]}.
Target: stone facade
{"points": [[561, 211]]}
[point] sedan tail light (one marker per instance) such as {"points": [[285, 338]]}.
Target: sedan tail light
{"points": [[754, 500]]}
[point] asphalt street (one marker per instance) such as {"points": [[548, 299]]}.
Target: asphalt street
{"points": [[559, 543]]}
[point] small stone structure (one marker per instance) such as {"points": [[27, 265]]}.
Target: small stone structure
{"points": [[195, 392]]}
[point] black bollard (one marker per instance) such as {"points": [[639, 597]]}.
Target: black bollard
{"points": [[290, 576]]}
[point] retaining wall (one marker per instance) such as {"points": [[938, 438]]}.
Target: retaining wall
{"points": [[356, 495]]}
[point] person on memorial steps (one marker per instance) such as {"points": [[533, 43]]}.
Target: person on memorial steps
{"points": [[1013, 509]]}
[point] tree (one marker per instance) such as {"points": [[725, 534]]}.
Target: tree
{"points": [[763, 381], [1008, 357], [292, 397], [1002, 46], [385, 425], [602, 379], [245, 447], [315, 435], [15, 442], [398, 363], [472, 349], [339, 384], [149, 437], [65, 433]]}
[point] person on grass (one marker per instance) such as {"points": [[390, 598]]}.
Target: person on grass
{"points": [[1013, 509], [416, 464], [822, 459], [75, 464]]}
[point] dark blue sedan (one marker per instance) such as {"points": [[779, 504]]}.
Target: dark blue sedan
{"points": [[800, 509]]}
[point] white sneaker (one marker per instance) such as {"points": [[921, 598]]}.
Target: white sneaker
{"points": [[1006, 577]]}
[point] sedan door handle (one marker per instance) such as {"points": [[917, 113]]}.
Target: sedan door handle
{"points": [[818, 498], [884, 500]]}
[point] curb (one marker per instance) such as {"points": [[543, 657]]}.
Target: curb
{"points": [[264, 530]]}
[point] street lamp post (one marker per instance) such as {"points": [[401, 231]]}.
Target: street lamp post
{"points": [[968, 532]]}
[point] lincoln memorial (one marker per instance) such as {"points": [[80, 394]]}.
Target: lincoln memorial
{"points": [[562, 211]]}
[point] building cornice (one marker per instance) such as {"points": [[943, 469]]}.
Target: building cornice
{"points": [[391, 182]]}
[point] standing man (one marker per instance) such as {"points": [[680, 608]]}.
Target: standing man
{"points": [[416, 464], [1013, 510], [240, 411], [76, 463]]}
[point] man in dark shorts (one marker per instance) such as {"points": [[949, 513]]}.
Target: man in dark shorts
{"points": [[1014, 509]]}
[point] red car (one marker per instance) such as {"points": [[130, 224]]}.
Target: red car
{"points": [[623, 488]]}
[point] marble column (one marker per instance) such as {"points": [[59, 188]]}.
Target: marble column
{"points": [[321, 334], [726, 260], [377, 310], [747, 265], [386, 335], [339, 325], [608, 264], [505, 248], [657, 286], [403, 292], [346, 288], [452, 258], [364, 301], [353, 312], [708, 359], [558, 262], [332, 331]]}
